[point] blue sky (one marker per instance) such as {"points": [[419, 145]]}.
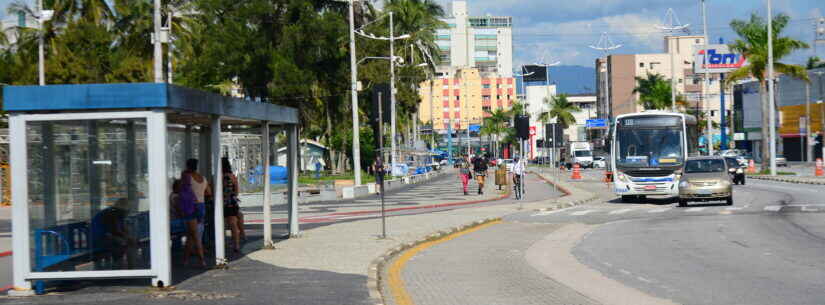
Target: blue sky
{"points": [[563, 29]]}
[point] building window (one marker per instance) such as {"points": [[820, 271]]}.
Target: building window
{"points": [[485, 86], [457, 97], [486, 109], [641, 65], [697, 41], [446, 109], [485, 97]]}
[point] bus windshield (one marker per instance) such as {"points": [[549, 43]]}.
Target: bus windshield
{"points": [[645, 147], [584, 153]]}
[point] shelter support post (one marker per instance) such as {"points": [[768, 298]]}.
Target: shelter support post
{"points": [[159, 207], [292, 168], [267, 187], [20, 208], [215, 143]]}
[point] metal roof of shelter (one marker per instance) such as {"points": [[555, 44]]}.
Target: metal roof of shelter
{"points": [[91, 97]]}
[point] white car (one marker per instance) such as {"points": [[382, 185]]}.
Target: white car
{"points": [[599, 162]]}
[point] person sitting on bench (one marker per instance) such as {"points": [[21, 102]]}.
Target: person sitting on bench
{"points": [[114, 236]]}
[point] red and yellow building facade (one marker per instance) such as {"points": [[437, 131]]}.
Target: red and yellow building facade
{"points": [[464, 99]]}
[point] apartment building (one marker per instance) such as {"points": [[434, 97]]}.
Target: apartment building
{"points": [[464, 99], [677, 62], [482, 42]]}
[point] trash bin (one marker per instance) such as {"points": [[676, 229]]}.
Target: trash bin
{"points": [[501, 176]]}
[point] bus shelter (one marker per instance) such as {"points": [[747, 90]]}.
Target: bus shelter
{"points": [[93, 167]]}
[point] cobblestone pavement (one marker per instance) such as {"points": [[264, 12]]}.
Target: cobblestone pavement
{"points": [[444, 189], [486, 267]]}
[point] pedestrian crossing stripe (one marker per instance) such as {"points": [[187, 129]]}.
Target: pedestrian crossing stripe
{"points": [[661, 210], [694, 209], [581, 213], [622, 211], [773, 208]]}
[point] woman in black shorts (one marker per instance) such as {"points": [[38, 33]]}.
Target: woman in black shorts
{"points": [[231, 210]]}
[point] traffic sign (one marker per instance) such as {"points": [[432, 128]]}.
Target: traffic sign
{"points": [[596, 123]]}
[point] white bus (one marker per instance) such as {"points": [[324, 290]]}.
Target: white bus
{"points": [[648, 150]]}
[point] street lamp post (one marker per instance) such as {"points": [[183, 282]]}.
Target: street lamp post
{"points": [[356, 138], [822, 109], [772, 110], [393, 148], [706, 83]]}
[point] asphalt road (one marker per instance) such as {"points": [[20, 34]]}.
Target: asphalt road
{"points": [[768, 248]]}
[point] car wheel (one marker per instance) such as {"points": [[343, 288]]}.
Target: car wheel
{"points": [[641, 198], [682, 203], [729, 200], [627, 199]]}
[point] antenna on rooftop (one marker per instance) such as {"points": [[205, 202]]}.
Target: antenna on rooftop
{"points": [[605, 44], [671, 23]]}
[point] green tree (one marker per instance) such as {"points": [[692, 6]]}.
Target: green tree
{"points": [[654, 91], [560, 109], [753, 44], [814, 62]]}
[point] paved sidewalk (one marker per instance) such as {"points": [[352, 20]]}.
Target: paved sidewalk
{"points": [[327, 265]]}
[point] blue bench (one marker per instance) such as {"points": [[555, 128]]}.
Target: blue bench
{"points": [[58, 245]]}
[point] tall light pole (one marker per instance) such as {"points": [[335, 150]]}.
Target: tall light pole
{"points": [[673, 26], [822, 111], [393, 148], [158, 44], [706, 83], [772, 111], [356, 138]]}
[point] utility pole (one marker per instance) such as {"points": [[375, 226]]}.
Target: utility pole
{"points": [[806, 141], [772, 111], [356, 138], [158, 44], [169, 44], [822, 109], [394, 153], [41, 57], [706, 83], [671, 26], [606, 45]]}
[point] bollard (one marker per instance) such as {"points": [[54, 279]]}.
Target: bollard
{"points": [[818, 172], [576, 172]]}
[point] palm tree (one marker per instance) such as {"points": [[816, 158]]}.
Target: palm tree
{"points": [[560, 109], [497, 124], [654, 91], [754, 46]]}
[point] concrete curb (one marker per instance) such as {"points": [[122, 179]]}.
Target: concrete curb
{"points": [[797, 180], [376, 267]]}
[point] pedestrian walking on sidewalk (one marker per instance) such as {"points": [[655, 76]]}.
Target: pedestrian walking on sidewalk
{"points": [[518, 177], [465, 174], [231, 207], [480, 171]]}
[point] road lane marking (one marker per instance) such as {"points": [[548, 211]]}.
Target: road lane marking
{"points": [[773, 208], [659, 210], [622, 211], [545, 213], [809, 209], [734, 208], [580, 213], [396, 282], [694, 209]]}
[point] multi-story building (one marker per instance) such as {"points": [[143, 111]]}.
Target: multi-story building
{"points": [[587, 106], [621, 71], [464, 99], [485, 43], [17, 20]]}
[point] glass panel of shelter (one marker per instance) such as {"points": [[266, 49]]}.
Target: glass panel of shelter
{"points": [[88, 190]]}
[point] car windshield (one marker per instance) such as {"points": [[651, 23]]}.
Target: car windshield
{"points": [[649, 146], [584, 153], [704, 166]]}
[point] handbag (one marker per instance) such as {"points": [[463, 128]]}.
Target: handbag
{"points": [[186, 198]]}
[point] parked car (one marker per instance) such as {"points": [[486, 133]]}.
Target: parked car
{"points": [[736, 170], [599, 162], [781, 161], [705, 179]]}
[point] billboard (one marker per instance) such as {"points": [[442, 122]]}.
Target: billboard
{"points": [[720, 59], [537, 73]]}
